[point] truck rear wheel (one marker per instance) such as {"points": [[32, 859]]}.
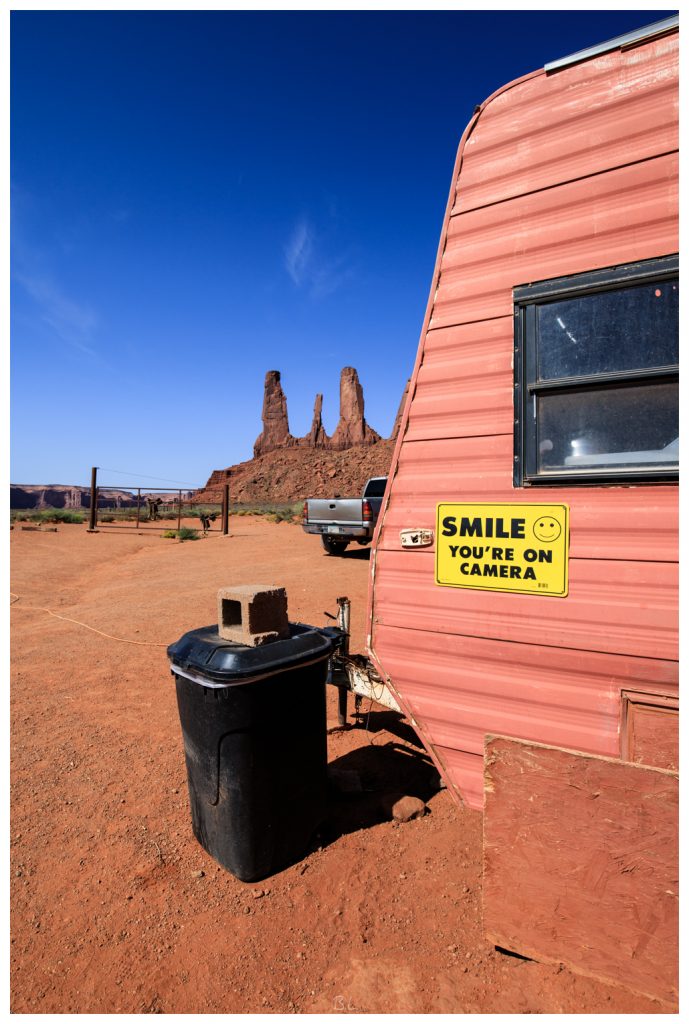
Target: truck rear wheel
{"points": [[333, 547]]}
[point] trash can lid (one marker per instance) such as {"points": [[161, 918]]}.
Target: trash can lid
{"points": [[207, 655]]}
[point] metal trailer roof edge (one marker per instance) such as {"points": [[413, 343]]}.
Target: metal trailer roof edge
{"points": [[657, 28]]}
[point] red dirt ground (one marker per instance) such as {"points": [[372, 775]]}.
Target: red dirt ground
{"points": [[109, 913]]}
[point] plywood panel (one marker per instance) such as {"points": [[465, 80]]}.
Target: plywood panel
{"points": [[651, 731], [581, 863]]}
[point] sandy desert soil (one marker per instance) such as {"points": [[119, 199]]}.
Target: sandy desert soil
{"points": [[116, 908]]}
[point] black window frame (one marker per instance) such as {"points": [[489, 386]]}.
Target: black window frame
{"points": [[526, 300]]}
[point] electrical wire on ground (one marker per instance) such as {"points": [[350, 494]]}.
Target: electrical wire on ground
{"points": [[65, 618]]}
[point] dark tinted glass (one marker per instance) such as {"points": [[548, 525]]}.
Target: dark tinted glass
{"points": [[609, 428], [375, 488], [623, 329]]}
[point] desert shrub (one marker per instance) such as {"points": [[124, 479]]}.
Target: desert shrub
{"points": [[185, 533], [63, 515], [284, 515], [47, 515], [281, 513], [106, 519], [276, 513], [57, 515]]}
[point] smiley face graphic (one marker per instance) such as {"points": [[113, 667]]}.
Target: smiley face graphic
{"points": [[546, 529]]}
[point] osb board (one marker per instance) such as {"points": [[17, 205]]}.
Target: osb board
{"points": [[653, 735], [581, 863]]}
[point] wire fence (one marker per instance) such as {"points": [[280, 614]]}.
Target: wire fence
{"points": [[129, 506]]}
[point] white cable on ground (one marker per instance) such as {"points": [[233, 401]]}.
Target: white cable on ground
{"points": [[65, 618]]}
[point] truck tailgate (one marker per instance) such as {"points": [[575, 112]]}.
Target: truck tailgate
{"points": [[340, 511]]}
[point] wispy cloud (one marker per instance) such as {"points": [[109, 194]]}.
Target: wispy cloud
{"points": [[71, 321], [298, 252], [310, 266]]}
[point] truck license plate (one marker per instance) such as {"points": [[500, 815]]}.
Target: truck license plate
{"points": [[334, 529]]}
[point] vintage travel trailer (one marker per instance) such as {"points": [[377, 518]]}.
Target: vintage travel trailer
{"points": [[524, 571]]}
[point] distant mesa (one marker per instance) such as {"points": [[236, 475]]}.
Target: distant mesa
{"points": [[41, 496], [352, 428], [46, 496]]}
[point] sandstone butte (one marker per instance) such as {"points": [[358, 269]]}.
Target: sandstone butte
{"points": [[287, 468]]}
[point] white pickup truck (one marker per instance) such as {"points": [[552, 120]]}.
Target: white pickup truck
{"points": [[341, 520]]}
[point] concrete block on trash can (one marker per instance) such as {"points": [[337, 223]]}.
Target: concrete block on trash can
{"points": [[252, 615]]}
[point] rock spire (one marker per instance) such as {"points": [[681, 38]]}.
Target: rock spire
{"points": [[317, 437], [352, 428], [275, 433]]}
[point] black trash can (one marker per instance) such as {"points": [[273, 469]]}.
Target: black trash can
{"points": [[254, 727]]}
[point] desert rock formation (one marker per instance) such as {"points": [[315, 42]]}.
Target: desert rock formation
{"points": [[284, 468], [46, 496], [352, 428], [275, 433], [40, 496], [287, 468], [317, 437], [292, 474]]}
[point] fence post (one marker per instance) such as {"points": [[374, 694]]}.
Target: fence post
{"points": [[179, 511], [138, 507], [94, 501], [225, 510]]}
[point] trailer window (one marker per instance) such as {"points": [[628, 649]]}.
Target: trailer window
{"points": [[596, 376]]}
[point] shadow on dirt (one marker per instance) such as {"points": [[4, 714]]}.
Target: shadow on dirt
{"points": [[365, 782], [389, 721], [355, 554]]}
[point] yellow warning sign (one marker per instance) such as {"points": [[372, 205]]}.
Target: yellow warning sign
{"points": [[522, 548]]}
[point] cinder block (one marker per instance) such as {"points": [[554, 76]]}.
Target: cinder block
{"points": [[252, 615]]}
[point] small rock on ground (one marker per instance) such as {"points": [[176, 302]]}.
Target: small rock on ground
{"points": [[403, 808]]}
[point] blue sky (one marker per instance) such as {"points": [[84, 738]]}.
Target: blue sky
{"points": [[197, 198]]}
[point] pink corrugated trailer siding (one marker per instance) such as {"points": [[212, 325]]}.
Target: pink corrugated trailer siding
{"points": [[561, 173]]}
